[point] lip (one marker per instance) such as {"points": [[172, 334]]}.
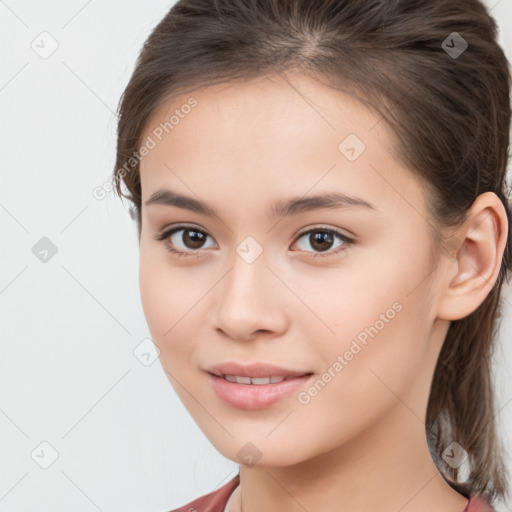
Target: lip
{"points": [[255, 396], [254, 370]]}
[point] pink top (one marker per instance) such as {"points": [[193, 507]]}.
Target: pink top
{"points": [[216, 501]]}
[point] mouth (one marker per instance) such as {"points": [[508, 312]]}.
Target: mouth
{"points": [[253, 393], [258, 381]]}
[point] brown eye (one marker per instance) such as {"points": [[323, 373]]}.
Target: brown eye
{"points": [[321, 240], [192, 239], [183, 240]]}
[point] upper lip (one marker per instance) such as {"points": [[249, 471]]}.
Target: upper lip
{"points": [[254, 370]]}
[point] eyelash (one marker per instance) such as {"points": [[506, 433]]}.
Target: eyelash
{"points": [[166, 233]]}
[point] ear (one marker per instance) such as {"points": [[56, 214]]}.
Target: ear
{"points": [[477, 250]]}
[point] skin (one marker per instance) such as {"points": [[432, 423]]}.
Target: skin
{"points": [[360, 443]]}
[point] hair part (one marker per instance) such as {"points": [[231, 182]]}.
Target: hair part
{"points": [[452, 127]]}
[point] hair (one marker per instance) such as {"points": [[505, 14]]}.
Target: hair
{"points": [[450, 114]]}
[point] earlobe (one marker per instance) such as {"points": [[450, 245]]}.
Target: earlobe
{"points": [[474, 269]]}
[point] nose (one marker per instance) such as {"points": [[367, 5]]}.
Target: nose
{"points": [[251, 301]]}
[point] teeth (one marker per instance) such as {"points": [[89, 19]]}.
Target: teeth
{"points": [[253, 380]]}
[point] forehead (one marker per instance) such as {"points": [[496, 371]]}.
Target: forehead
{"points": [[296, 102], [288, 133]]}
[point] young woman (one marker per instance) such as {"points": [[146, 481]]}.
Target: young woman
{"points": [[324, 227]]}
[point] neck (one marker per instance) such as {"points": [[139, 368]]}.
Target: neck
{"points": [[384, 469]]}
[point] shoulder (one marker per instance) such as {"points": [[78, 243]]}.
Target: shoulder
{"points": [[214, 501], [478, 504]]}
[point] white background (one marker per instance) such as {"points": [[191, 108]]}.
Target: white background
{"points": [[68, 375]]}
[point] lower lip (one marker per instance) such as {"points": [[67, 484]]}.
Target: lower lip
{"points": [[255, 396]]}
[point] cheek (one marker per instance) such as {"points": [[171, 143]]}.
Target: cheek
{"points": [[363, 381], [174, 301], [380, 314], [166, 296]]}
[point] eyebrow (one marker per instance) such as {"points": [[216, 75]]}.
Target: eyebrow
{"points": [[280, 208]]}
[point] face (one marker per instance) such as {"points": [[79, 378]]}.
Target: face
{"points": [[344, 291]]}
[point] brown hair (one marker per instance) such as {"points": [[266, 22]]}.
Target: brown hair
{"points": [[447, 104]]}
